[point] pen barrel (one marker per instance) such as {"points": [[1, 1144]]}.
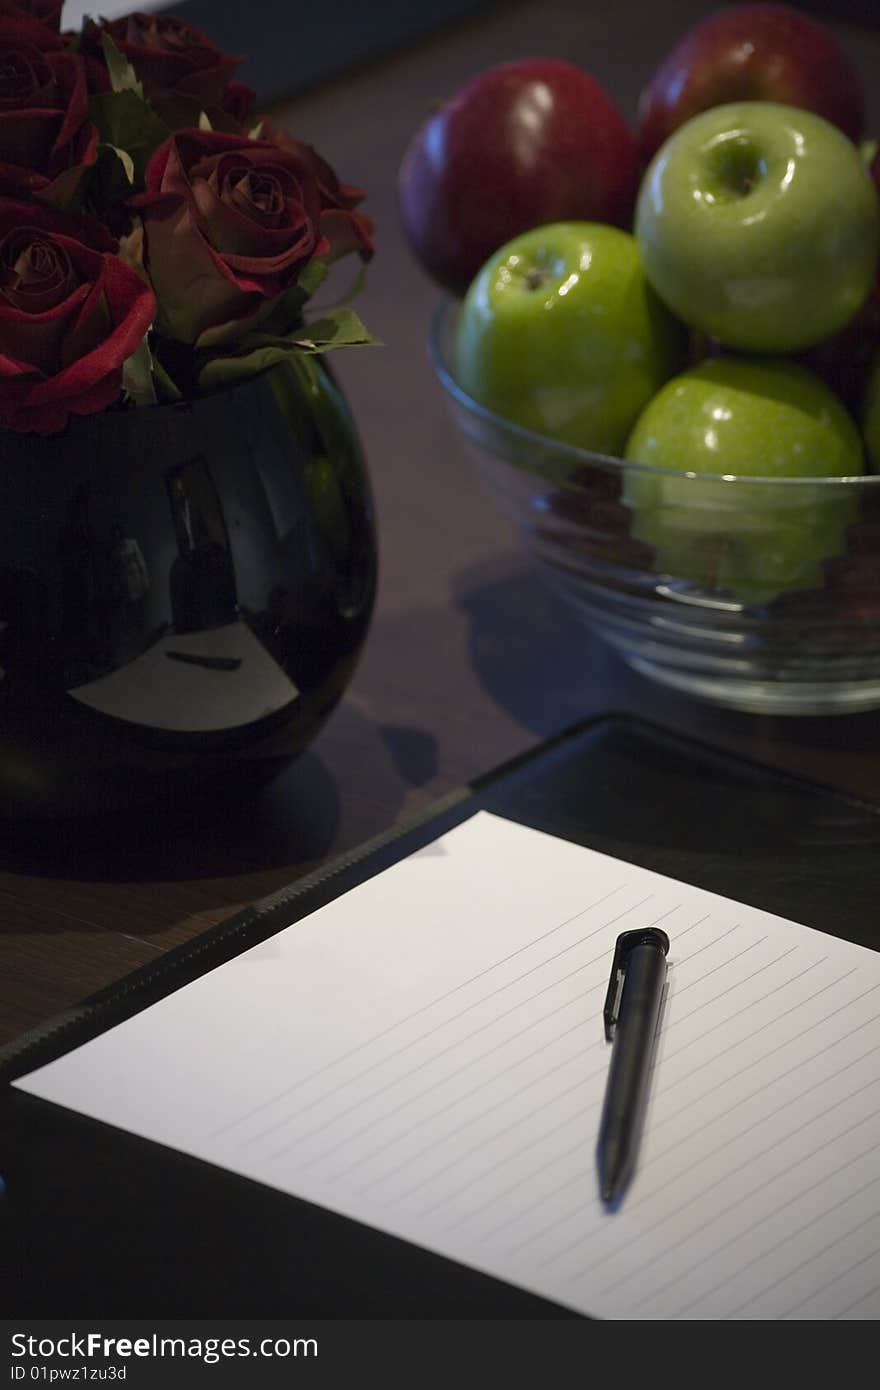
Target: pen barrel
{"points": [[630, 1068]]}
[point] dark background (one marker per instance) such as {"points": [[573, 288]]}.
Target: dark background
{"points": [[289, 46]]}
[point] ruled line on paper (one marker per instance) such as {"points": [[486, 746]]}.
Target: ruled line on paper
{"points": [[858, 1302], [781, 1172], [456, 1101], [358, 1076], [771, 1022], [454, 1044], [765, 1176], [671, 1115], [601, 984], [667, 1116], [750, 1005], [576, 999], [540, 1136], [312, 1076], [426, 1055], [810, 1259], [760, 1221]]}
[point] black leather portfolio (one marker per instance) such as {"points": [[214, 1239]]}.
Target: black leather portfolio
{"points": [[97, 1222]]}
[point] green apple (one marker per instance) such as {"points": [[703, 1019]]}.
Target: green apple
{"points": [[758, 224], [741, 418], [561, 333]]}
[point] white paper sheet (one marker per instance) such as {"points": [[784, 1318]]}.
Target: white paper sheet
{"points": [[426, 1054]]}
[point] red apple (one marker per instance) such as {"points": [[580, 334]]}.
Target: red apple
{"points": [[521, 145], [751, 53]]}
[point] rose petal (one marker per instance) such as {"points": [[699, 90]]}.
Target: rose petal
{"points": [[17, 26], [26, 78], [27, 138], [170, 55], [79, 234], [90, 327], [227, 225], [67, 358], [39, 338], [70, 76], [94, 381], [233, 230], [192, 285]]}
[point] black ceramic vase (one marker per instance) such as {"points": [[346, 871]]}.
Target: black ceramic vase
{"points": [[184, 590]]}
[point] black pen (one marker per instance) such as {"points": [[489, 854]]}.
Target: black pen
{"points": [[632, 1007]]}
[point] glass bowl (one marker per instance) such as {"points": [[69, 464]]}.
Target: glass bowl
{"points": [[760, 594]]}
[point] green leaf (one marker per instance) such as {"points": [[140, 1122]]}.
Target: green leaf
{"points": [[204, 121], [285, 316], [340, 328], [258, 351], [122, 75], [125, 121], [286, 313], [125, 160], [165, 387], [313, 276], [109, 180], [225, 371], [137, 375]]}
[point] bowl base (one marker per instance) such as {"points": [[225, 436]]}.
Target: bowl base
{"points": [[765, 697]]}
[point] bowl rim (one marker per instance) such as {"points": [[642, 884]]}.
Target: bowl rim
{"points": [[442, 314]]}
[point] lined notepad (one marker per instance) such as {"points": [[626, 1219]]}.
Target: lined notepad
{"points": [[426, 1054]]}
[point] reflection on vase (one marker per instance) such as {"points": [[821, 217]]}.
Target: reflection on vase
{"points": [[182, 588], [212, 681], [75, 553], [130, 585], [202, 579], [23, 609]]}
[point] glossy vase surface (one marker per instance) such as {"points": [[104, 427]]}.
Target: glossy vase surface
{"points": [[184, 589]]}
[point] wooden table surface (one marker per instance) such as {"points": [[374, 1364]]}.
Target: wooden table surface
{"points": [[469, 661]]}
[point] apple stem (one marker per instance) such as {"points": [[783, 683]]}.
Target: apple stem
{"points": [[535, 278]]}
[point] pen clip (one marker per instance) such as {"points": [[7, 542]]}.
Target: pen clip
{"points": [[642, 936]]}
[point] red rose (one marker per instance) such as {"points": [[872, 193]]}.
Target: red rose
{"points": [[181, 70], [237, 105], [345, 229], [70, 314], [46, 138], [229, 223]]}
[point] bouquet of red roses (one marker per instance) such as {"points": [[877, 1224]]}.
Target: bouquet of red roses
{"points": [[156, 239]]}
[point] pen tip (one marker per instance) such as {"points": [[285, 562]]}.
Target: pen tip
{"points": [[607, 1193]]}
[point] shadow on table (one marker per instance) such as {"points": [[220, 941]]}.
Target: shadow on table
{"points": [[226, 827], [413, 752], [537, 661], [347, 787], [530, 653]]}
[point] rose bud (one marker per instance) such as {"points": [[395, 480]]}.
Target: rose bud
{"points": [[70, 314], [46, 138], [229, 223], [182, 72]]}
